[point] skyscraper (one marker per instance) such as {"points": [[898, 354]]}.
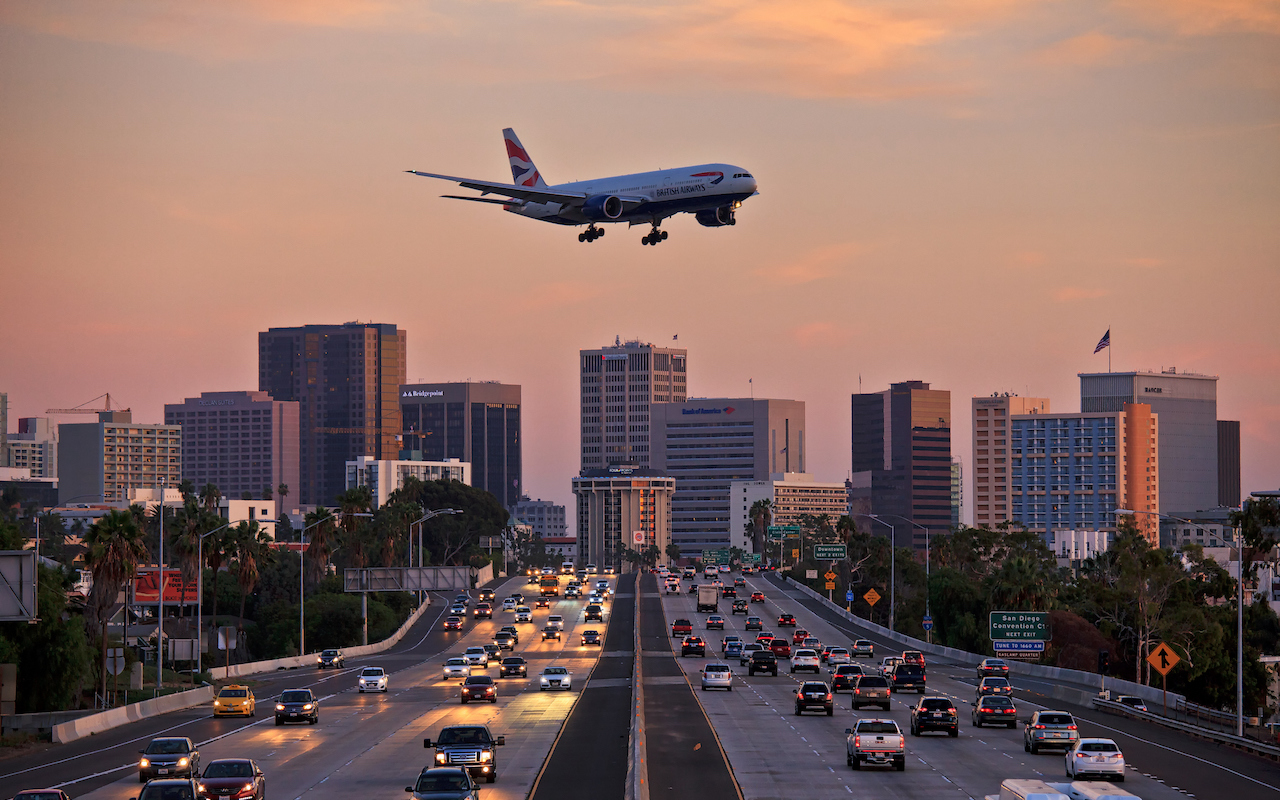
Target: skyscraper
{"points": [[618, 385], [346, 380], [902, 437], [238, 441], [990, 463], [478, 423], [104, 461], [622, 506], [1228, 463]]}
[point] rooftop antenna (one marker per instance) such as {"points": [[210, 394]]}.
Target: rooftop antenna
{"points": [[617, 341]]}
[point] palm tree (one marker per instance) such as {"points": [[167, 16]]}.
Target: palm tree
{"points": [[215, 552], [761, 514], [210, 497], [354, 501], [115, 548], [318, 551], [249, 548]]}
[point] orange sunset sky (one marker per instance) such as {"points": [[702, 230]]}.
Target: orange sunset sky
{"points": [[965, 193]]}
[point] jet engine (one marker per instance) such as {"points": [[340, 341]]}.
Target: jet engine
{"points": [[715, 218], [602, 207]]}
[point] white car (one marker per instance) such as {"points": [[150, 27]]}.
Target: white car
{"points": [[556, 620], [717, 676], [724, 567], [373, 679], [805, 658], [591, 569], [1100, 757], [477, 656], [603, 587], [837, 656], [673, 587], [608, 570], [524, 614], [555, 678], [456, 668], [458, 610], [509, 604]]}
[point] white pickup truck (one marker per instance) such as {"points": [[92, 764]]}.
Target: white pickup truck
{"points": [[875, 742]]}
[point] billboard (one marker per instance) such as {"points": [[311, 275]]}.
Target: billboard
{"points": [[146, 587], [17, 585]]}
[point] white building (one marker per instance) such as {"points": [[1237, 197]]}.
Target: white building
{"points": [[566, 546], [384, 477], [793, 494], [1076, 545], [35, 447]]}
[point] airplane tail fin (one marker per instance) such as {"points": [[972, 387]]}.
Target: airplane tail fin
{"points": [[523, 171]]}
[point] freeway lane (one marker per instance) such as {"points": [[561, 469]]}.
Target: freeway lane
{"points": [[373, 743], [776, 754]]}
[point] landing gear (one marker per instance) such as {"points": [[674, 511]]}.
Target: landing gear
{"points": [[654, 236], [591, 234]]}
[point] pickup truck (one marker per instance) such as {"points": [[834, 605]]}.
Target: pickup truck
{"points": [[875, 741], [681, 627], [469, 747], [707, 598]]}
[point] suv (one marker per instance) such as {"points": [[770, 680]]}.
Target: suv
{"points": [[762, 661], [781, 648], [995, 709], [330, 658], [170, 756], [846, 675], [805, 659], [681, 627], [871, 690], [471, 747], [297, 705], [906, 677], [814, 694], [755, 624], [875, 741], [594, 613], [693, 645], [864, 649], [739, 606], [1049, 729], [935, 714], [487, 595]]}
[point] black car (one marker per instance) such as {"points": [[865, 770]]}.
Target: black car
{"points": [[994, 709], [330, 658], [513, 667], [763, 661], [494, 650], [755, 624], [170, 789], [479, 687], [739, 606], [550, 632], [297, 705], [504, 640], [169, 756], [786, 620], [444, 783], [728, 591], [693, 646], [846, 675], [486, 595], [907, 678], [591, 637], [594, 613], [814, 694], [229, 777], [934, 714]]}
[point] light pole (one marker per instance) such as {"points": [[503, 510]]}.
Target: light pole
{"points": [[893, 569], [302, 575], [427, 516], [929, 633], [160, 599], [200, 595]]}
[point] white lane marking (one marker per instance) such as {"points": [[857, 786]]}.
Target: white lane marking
{"points": [[103, 750]]}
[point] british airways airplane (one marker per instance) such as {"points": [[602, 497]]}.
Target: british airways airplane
{"points": [[711, 192]]}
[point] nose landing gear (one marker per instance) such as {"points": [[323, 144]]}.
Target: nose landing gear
{"points": [[591, 234], [654, 236]]}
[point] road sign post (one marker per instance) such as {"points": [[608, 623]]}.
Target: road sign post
{"points": [[848, 599], [872, 597], [1163, 659]]}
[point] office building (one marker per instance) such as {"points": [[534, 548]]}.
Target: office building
{"points": [[4, 429], [619, 384], [346, 380], [35, 448], [384, 477], [957, 490], [1071, 547], [1228, 463], [902, 437], [546, 517], [563, 546], [241, 442], [1209, 529], [1187, 405], [990, 464], [103, 461], [478, 423], [622, 506], [1072, 471], [793, 495], [707, 444]]}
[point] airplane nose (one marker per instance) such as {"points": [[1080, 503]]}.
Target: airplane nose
{"points": [[752, 183]]}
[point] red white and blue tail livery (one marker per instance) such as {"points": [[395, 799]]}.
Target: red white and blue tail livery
{"points": [[711, 192]]}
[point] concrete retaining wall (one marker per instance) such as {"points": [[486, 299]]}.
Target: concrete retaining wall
{"points": [[40, 722]]}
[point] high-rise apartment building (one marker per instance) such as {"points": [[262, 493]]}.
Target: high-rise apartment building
{"points": [[384, 477], [104, 461], [902, 437], [1187, 405], [622, 506], [707, 444], [792, 495], [1229, 463], [1072, 471], [478, 423], [4, 429], [238, 441], [619, 384], [346, 380], [546, 518], [957, 490], [990, 464], [35, 447]]}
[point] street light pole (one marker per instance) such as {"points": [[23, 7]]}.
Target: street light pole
{"points": [[302, 575], [893, 567], [427, 516], [929, 633], [200, 595]]}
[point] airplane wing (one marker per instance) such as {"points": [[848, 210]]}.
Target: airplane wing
{"points": [[526, 193], [504, 202]]}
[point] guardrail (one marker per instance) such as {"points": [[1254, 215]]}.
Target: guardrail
{"points": [[1219, 737]]}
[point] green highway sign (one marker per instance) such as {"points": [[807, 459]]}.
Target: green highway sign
{"points": [[755, 558], [1019, 625], [829, 552]]}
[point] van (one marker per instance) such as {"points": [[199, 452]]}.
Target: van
{"points": [[1096, 790], [1023, 789]]}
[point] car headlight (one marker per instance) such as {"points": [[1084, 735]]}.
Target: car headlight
{"points": [[200, 787], [319, 660], [307, 707], [279, 707], [143, 764], [485, 755], [217, 702], [441, 758], [182, 762]]}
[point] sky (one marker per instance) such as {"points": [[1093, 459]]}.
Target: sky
{"points": [[964, 193]]}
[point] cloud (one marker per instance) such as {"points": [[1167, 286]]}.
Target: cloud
{"points": [[557, 295], [821, 334], [1208, 17], [816, 264], [1070, 294], [1090, 50]]}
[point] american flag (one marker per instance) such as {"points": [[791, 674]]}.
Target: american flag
{"points": [[1104, 342]]}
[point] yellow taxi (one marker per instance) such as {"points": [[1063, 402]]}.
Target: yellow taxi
{"points": [[234, 701]]}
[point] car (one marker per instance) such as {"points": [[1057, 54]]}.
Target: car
{"points": [[871, 690], [765, 638], [740, 581], [234, 700], [805, 659], [170, 789], [715, 622], [478, 687], [477, 656], [762, 661], [728, 591], [572, 592], [733, 650], [444, 783], [908, 677], [608, 570], [988, 686], [505, 640], [814, 694], [728, 640], [239, 778], [934, 714], [798, 636], [863, 649], [495, 652], [458, 610], [487, 595], [462, 599], [593, 613], [672, 586], [169, 757], [42, 794], [739, 606], [591, 637], [693, 588], [836, 655], [875, 741], [844, 677], [757, 597], [725, 568], [786, 620], [913, 657], [746, 651], [548, 571], [457, 667], [1101, 757], [554, 677], [453, 623], [511, 629], [681, 627], [755, 624], [693, 645], [1049, 729], [888, 663], [550, 632], [813, 643], [469, 747], [297, 705], [717, 676], [518, 597], [994, 710], [781, 648], [542, 602], [1136, 703], [591, 569], [330, 659], [524, 614], [483, 611], [993, 668], [513, 667], [509, 604], [373, 679]]}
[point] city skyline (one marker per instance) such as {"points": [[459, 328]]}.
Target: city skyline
{"points": [[969, 195]]}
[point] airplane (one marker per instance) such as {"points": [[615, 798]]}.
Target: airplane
{"points": [[711, 192]]}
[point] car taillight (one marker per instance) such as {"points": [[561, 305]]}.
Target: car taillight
{"points": [[1010, 711], [951, 711], [1071, 727], [924, 678], [1117, 755], [828, 695], [1039, 727], [857, 741]]}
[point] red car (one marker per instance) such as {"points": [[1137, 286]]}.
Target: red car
{"points": [[453, 624], [799, 635], [913, 657], [479, 687], [757, 597], [781, 648], [681, 627], [764, 638], [238, 778], [542, 602]]}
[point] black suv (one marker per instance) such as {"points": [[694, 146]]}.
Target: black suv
{"points": [[846, 675], [693, 645], [763, 661], [934, 714], [297, 705], [907, 677], [170, 756], [471, 747], [740, 606], [814, 694]]}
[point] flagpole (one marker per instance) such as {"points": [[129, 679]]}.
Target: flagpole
{"points": [[1108, 347]]}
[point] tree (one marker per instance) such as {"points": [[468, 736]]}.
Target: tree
{"points": [[115, 549], [266, 492], [761, 514], [320, 522], [210, 497], [216, 549], [283, 491], [673, 552], [352, 541], [250, 547]]}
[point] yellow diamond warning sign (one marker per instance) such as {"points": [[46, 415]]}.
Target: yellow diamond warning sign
{"points": [[1163, 659], [872, 597]]}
